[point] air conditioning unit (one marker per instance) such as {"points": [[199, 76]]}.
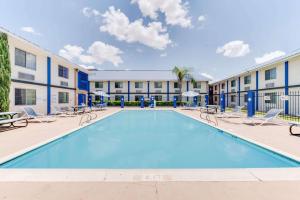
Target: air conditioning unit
{"points": [[247, 88], [118, 91], [177, 91], [197, 90], [26, 76], [139, 91], [157, 91], [270, 85], [232, 90], [64, 83]]}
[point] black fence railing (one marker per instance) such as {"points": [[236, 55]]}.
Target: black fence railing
{"points": [[265, 101]]}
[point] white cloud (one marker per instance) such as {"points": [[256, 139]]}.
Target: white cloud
{"points": [[163, 55], [269, 56], [207, 76], [71, 51], [175, 11], [234, 49], [201, 18], [97, 53], [117, 24], [30, 29], [90, 12]]}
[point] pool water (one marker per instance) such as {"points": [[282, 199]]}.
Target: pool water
{"points": [[149, 139]]}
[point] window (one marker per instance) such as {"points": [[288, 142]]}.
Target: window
{"points": [[118, 98], [223, 86], [232, 98], [233, 83], [25, 96], [137, 98], [247, 79], [98, 84], [270, 98], [97, 98], [63, 72], [216, 98], [270, 74], [63, 97], [246, 98], [216, 87], [158, 98], [25, 59], [118, 85], [138, 84], [197, 85], [157, 84], [176, 85]]}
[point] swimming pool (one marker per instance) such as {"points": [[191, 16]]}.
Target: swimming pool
{"points": [[150, 140]]}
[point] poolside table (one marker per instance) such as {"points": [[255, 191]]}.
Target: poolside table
{"points": [[79, 107], [10, 114], [210, 109]]}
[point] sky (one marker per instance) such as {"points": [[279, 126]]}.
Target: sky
{"points": [[212, 37]]}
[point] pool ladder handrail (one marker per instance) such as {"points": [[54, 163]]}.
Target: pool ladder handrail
{"points": [[208, 119], [89, 117]]}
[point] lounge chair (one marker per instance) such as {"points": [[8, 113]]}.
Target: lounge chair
{"points": [[62, 112], [235, 113], [292, 125], [270, 116], [190, 106], [31, 114]]}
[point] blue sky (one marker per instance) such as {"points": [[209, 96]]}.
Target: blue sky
{"points": [[213, 37]]}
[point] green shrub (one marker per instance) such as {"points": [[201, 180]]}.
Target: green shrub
{"points": [[5, 71], [138, 103]]}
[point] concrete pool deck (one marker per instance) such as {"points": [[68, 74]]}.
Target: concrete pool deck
{"points": [[19, 183]]}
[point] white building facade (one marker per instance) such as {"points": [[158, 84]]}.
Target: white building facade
{"points": [[134, 84]]}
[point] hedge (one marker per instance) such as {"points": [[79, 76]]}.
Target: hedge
{"points": [[5, 71]]}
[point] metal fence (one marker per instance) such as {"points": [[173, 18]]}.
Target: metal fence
{"points": [[266, 100]]}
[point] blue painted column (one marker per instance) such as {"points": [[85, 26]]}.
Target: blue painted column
{"points": [[108, 89], [222, 102], [251, 104], [48, 85], [187, 89], [175, 102], [142, 102], [148, 89], [256, 90], [195, 101], [239, 90], [152, 102], [128, 90], [168, 90], [286, 86], [206, 99], [227, 93], [219, 94], [122, 102]]}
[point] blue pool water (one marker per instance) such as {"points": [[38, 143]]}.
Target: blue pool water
{"points": [[149, 139]]}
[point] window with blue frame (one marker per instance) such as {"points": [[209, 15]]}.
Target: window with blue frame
{"points": [[247, 79], [63, 71], [270, 74]]}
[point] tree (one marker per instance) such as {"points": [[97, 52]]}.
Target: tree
{"points": [[5, 71], [182, 74]]}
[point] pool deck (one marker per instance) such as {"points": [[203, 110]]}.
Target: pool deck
{"points": [[148, 184]]}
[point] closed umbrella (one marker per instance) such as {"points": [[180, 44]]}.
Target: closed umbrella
{"points": [[190, 94]]}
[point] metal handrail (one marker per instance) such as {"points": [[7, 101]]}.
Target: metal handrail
{"points": [[89, 118]]}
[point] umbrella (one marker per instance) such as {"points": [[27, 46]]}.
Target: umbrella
{"points": [[190, 94], [101, 93]]}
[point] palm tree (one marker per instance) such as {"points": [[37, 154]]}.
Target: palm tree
{"points": [[182, 74]]}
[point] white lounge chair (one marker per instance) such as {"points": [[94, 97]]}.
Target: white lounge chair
{"points": [[235, 113], [31, 114], [270, 116]]}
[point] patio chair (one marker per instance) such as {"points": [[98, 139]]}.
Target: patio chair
{"points": [[270, 116], [190, 106], [235, 113], [31, 114], [292, 125], [62, 111]]}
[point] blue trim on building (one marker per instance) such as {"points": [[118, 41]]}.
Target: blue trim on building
{"points": [[219, 94], [148, 89], [168, 90], [286, 86], [227, 86], [48, 85], [256, 91], [83, 81], [128, 90], [187, 89], [108, 89], [239, 90]]}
